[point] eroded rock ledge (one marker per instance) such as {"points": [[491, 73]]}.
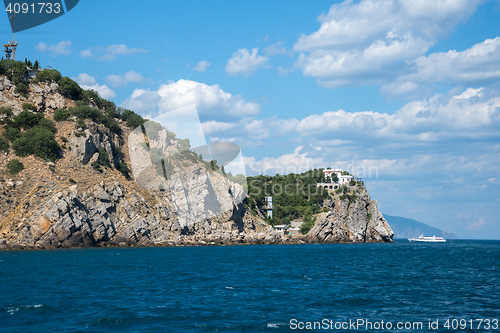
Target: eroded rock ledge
{"points": [[112, 216]]}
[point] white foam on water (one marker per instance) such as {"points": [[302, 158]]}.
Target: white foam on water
{"points": [[13, 310]]}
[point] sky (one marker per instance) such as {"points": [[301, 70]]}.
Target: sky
{"points": [[405, 94]]}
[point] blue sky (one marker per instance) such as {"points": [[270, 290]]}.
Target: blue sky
{"points": [[405, 94]]}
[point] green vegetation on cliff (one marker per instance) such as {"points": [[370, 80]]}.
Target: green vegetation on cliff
{"points": [[32, 134], [294, 195], [15, 166]]}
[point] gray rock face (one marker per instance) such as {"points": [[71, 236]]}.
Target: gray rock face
{"points": [[96, 136], [351, 220], [6, 83], [111, 215], [44, 96]]}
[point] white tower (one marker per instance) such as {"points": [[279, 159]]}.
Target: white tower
{"points": [[269, 206]]}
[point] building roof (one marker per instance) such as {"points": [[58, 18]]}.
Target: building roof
{"points": [[330, 171]]}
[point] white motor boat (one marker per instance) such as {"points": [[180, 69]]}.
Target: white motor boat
{"points": [[432, 239]]}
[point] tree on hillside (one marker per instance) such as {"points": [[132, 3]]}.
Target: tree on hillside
{"points": [[335, 178]]}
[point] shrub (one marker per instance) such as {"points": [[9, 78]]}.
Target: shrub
{"points": [[38, 141], [184, 144], [117, 151], [12, 133], [27, 119], [29, 107], [4, 145], [100, 102], [132, 119], [369, 215], [15, 166], [352, 182], [22, 88], [96, 166], [124, 170], [308, 224], [61, 114], [81, 124], [112, 124], [63, 138], [52, 169], [6, 111], [72, 181], [103, 157], [15, 71], [80, 134], [107, 118], [48, 75], [70, 88], [48, 124], [86, 112], [113, 112]]}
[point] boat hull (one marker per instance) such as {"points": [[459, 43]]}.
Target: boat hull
{"points": [[427, 239]]}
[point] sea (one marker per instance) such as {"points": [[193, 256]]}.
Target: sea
{"points": [[400, 286]]}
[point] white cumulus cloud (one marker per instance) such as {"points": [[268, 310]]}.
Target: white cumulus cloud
{"points": [[84, 78], [201, 66], [477, 64], [476, 225], [365, 42], [59, 48], [211, 102], [89, 82], [472, 113], [121, 80], [110, 52], [244, 63], [275, 49]]}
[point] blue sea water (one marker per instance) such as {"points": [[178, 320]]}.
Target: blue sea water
{"points": [[251, 288]]}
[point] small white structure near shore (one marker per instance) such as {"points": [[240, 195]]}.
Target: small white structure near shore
{"points": [[292, 229], [280, 228]]}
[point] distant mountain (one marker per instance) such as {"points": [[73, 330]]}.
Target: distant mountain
{"points": [[408, 228]]}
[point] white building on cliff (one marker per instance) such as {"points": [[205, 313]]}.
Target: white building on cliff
{"points": [[342, 179]]}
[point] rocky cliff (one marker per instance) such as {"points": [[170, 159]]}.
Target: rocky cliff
{"points": [[73, 203], [353, 217]]}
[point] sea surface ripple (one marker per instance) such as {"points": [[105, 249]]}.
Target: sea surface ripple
{"points": [[248, 288]]}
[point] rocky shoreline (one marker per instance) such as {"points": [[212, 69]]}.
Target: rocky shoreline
{"points": [[111, 215]]}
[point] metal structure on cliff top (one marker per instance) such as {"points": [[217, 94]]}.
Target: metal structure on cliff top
{"points": [[10, 48]]}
